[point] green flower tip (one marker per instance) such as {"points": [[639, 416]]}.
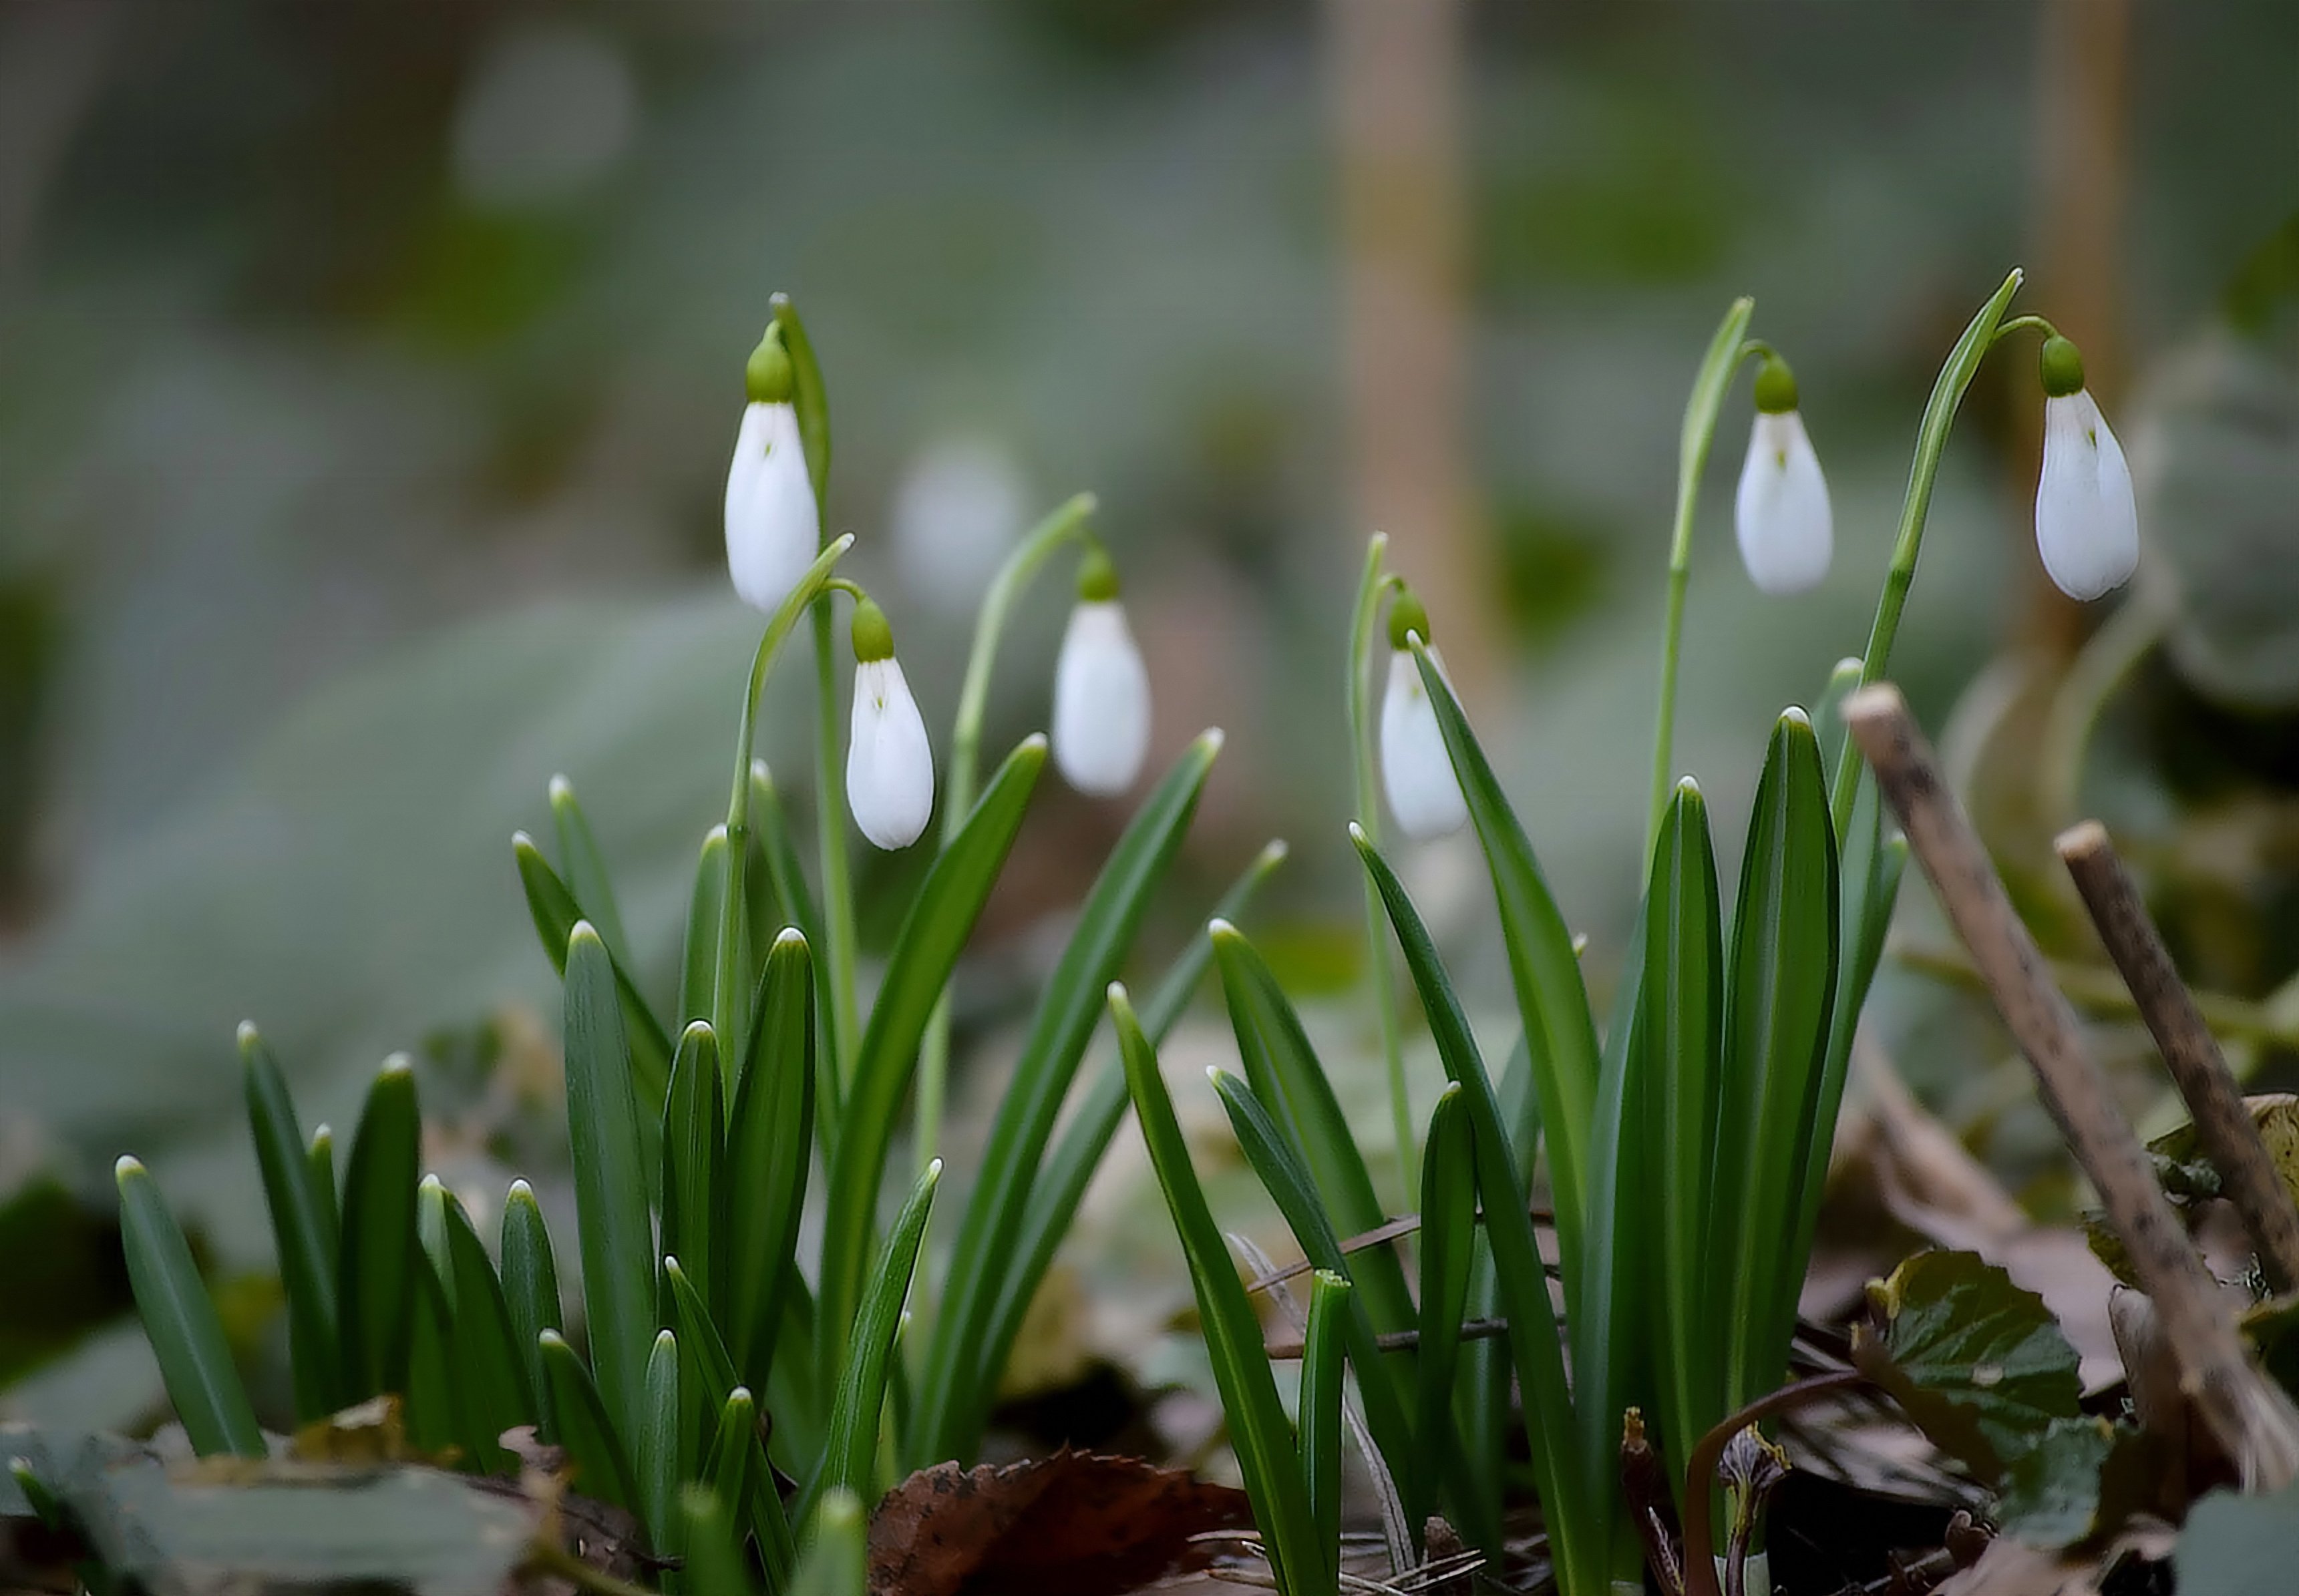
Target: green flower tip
{"points": [[1408, 617], [2062, 365], [1776, 387], [1097, 577], [767, 378], [874, 639]]}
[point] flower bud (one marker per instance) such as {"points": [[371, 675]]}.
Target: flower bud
{"points": [[1415, 771], [1102, 690], [1781, 512], [889, 775], [773, 524], [2086, 519]]}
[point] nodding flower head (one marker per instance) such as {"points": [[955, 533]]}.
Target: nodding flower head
{"points": [[2086, 519], [773, 524], [1781, 512], [1415, 770], [890, 778], [1101, 688]]}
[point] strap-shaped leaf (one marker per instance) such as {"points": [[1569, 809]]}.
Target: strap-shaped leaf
{"points": [[377, 1284], [693, 1151], [925, 949], [587, 868], [659, 1468], [1323, 1361], [770, 835], [698, 964], [556, 913], [834, 1561], [852, 1444], [698, 1336], [1449, 1220], [181, 1323], [615, 1228], [1779, 991], [602, 1467], [486, 1346], [1560, 1034], [1258, 1432], [714, 1564], [769, 1149], [300, 1230], [1069, 1007], [1578, 1513], [530, 1282]]}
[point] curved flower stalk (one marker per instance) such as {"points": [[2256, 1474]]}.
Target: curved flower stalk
{"points": [[1415, 771], [1101, 688], [2086, 519], [1781, 513], [890, 778], [774, 523]]}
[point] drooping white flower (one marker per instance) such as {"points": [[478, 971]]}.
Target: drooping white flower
{"points": [[773, 524], [890, 777], [1781, 513], [1415, 770], [1102, 690], [2086, 519]]}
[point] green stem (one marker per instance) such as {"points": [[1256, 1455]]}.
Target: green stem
{"points": [[1931, 443], [727, 999], [1726, 350], [1363, 634], [965, 759], [830, 820]]}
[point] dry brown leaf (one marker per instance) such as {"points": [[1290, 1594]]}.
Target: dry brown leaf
{"points": [[1075, 1522]]}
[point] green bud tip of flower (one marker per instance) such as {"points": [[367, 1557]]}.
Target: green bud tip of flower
{"points": [[874, 639], [1776, 387], [2062, 365], [1097, 577], [1406, 618], [767, 376]]}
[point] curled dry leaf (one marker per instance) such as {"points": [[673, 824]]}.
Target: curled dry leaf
{"points": [[1075, 1522]]}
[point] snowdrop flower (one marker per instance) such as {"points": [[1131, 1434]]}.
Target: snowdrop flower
{"points": [[1781, 512], [1415, 771], [2086, 522], [1101, 691], [889, 763], [773, 525]]}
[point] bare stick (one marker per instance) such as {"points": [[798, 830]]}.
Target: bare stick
{"points": [[2230, 1137], [2252, 1419]]}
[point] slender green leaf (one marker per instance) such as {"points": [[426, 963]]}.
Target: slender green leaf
{"points": [[587, 868], [1320, 1442], [693, 1118], [768, 1151], [833, 1564], [319, 1170], [181, 1323], [698, 1336], [1258, 1432], [852, 1444], [1448, 1220], [1061, 1184], [715, 1565], [1284, 1073], [1579, 1524], [771, 831], [556, 911], [809, 396], [1385, 1382], [438, 1419], [698, 970], [614, 1226], [299, 1230], [530, 1283], [1782, 986], [377, 1284], [584, 1430], [488, 1347], [925, 949], [1679, 1021], [762, 1504], [1560, 1034], [726, 1466], [656, 1454], [1068, 1009]]}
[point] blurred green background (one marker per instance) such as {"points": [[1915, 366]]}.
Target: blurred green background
{"points": [[370, 369]]}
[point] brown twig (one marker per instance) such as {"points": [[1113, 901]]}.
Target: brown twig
{"points": [[1700, 1468], [2230, 1137], [1398, 1340], [2253, 1420], [1388, 1231]]}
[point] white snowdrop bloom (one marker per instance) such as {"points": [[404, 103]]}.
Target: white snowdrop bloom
{"points": [[2087, 519], [1781, 513], [890, 777], [1415, 770], [1102, 690], [773, 524]]}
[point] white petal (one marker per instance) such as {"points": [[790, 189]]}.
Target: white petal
{"points": [[2087, 520], [1781, 511], [773, 525], [890, 777], [1101, 701], [1415, 768]]}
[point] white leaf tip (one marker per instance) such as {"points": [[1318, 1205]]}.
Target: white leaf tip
{"points": [[127, 1165], [561, 790]]}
